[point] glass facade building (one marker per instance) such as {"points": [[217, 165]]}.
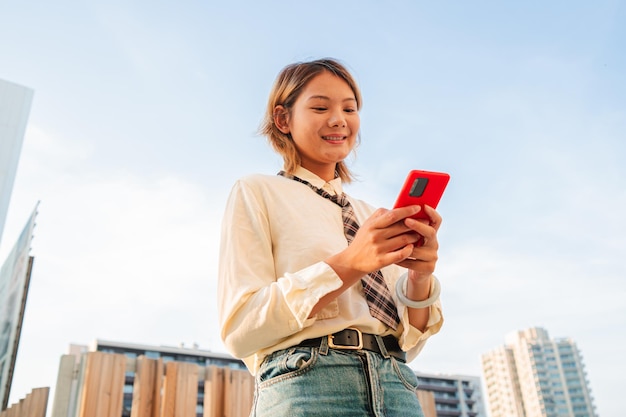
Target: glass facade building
{"points": [[15, 102]]}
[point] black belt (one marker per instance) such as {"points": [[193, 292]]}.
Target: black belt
{"points": [[353, 339]]}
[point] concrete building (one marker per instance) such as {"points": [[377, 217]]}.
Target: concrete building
{"points": [[455, 395], [535, 376]]}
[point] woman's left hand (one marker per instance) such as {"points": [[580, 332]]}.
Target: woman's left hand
{"points": [[423, 258]]}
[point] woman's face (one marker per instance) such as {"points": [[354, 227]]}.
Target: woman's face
{"points": [[324, 123]]}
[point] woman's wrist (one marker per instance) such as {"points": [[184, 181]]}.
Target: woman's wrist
{"points": [[433, 295], [344, 268]]}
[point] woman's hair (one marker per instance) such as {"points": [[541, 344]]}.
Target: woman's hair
{"points": [[286, 90]]}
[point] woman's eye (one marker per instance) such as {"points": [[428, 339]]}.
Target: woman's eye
{"points": [[319, 108], [349, 110]]}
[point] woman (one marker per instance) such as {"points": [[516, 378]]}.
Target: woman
{"points": [[311, 316]]}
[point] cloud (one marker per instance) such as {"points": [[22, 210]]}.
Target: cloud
{"points": [[118, 256]]}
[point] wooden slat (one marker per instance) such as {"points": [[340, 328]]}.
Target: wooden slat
{"points": [[238, 393], [231, 394], [168, 400], [228, 395], [427, 401], [214, 392], [103, 385], [246, 392], [90, 384], [118, 380], [180, 390], [38, 402], [187, 398], [147, 388]]}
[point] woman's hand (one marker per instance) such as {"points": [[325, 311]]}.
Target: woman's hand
{"points": [[383, 239], [423, 257]]}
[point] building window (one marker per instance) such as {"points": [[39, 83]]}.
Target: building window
{"points": [[152, 355]]}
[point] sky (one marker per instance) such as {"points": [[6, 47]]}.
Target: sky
{"points": [[145, 113]]}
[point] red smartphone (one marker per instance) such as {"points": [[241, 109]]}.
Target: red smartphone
{"points": [[423, 188]]}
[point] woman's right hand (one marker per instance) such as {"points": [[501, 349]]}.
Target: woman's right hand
{"points": [[383, 239]]}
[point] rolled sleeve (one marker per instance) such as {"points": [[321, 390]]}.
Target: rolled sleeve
{"points": [[300, 296], [412, 339]]}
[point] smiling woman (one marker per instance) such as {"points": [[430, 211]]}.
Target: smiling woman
{"points": [[307, 273]]}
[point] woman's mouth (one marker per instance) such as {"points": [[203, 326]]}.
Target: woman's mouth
{"points": [[334, 138]]}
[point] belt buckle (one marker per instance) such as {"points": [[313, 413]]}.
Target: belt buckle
{"points": [[332, 344]]}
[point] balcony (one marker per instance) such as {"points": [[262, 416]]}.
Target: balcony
{"points": [[436, 388], [443, 400], [448, 413]]}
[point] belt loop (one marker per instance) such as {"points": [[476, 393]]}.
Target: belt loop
{"points": [[324, 346], [382, 347]]}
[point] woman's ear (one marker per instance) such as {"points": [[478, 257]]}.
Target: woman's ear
{"points": [[281, 118]]}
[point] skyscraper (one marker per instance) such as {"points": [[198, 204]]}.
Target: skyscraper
{"points": [[15, 103], [535, 376]]}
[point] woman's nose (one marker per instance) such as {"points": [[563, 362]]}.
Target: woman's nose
{"points": [[337, 119]]}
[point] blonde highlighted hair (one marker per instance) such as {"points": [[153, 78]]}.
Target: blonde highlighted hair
{"points": [[286, 90]]}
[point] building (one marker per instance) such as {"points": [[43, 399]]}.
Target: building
{"points": [[454, 395], [502, 385], [167, 354], [535, 376], [15, 104]]}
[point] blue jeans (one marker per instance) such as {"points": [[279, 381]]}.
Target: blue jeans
{"points": [[311, 382]]}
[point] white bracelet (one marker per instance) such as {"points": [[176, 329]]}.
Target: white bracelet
{"points": [[416, 304]]}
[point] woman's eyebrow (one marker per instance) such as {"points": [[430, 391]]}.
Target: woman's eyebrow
{"points": [[321, 97]]}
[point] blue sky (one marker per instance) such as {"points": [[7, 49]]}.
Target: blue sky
{"points": [[145, 113]]}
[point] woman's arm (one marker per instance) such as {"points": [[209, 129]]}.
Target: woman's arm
{"points": [[421, 264]]}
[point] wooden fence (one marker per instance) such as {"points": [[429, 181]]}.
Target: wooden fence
{"points": [[95, 388], [33, 405]]}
